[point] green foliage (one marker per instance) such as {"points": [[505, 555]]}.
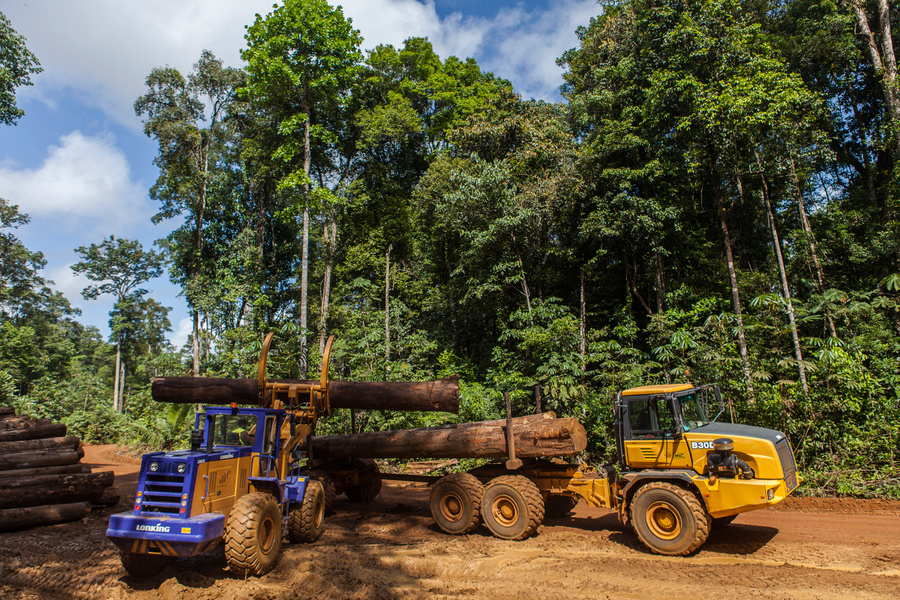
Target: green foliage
{"points": [[17, 65]]}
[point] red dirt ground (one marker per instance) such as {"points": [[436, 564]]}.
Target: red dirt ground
{"points": [[828, 549]]}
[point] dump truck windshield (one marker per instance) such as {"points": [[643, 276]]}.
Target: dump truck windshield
{"points": [[692, 412]]}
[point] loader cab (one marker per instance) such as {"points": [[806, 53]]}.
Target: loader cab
{"points": [[651, 421]]}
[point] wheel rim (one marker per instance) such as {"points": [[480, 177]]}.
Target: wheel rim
{"points": [[320, 514], [664, 520], [452, 507], [266, 535], [505, 511]]}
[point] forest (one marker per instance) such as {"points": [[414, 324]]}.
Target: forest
{"points": [[715, 199]]}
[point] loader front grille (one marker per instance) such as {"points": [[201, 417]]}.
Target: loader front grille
{"points": [[162, 493], [786, 456]]}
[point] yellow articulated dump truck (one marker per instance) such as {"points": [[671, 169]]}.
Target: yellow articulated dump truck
{"points": [[679, 473]]}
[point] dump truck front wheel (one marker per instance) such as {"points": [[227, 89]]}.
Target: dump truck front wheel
{"points": [[253, 535], [456, 503], [668, 519], [306, 523], [512, 507]]}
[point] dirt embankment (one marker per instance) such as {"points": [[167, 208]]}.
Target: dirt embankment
{"points": [[390, 549]]}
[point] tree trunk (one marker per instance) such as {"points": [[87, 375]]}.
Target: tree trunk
{"points": [[304, 260], [537, 438], [39, 458], [53, 489], [732, 278], [62, 470], [582, 335], [116, 382], [56, 443], [330, 240], [776, 241], [195, 345], [886, 64], [387, 305], [23, 518], [32, 433], [440, 395]]}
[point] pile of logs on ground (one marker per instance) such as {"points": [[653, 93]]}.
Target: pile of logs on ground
{"points": [[42, 480]]}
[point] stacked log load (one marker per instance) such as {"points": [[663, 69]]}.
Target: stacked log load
{"points": [[42, 480]]}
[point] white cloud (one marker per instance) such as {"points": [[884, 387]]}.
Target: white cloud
{"points": [[182, 332], [84, 180], [69, 283]]}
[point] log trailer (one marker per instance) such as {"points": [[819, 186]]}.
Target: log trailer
{"points": [[678, 474], [240, 482]]}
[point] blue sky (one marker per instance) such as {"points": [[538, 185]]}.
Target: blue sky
{"points": [[78, 162]]}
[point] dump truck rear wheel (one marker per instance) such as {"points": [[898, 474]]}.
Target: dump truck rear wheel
{"points": [[145, 565], [559, 506], [369, 483], [306, 523], [668, 519], [456, 503], [512, 507], [253, 535]]}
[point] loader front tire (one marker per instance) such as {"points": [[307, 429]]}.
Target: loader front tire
{"points": [[306, 523], [455, 503], [512, 507], [253, 535], [668, 519]]}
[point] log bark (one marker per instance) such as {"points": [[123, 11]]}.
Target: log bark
{"points": [[59, 470], [110, 496], [54, 489], [22, 518], [547, 437], [33, 433], [440, 395], [22, 422], [54, 443], [7, 410], [39, 458]]}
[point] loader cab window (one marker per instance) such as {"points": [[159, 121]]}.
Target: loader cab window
{"points": [[651, 418], [233, 430]]}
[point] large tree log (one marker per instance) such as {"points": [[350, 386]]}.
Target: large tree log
{"points": [[39, 458], [33, 433], [55, 443], [22, 422], [440, 395], [60, 470], [544, 437], [23, 518], [7, 410], [54, 489]]}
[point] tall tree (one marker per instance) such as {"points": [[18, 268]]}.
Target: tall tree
{"points": [[17, 65], [301, 55], [119, 266], [176, 109]]}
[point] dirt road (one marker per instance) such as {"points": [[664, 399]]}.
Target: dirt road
{"points": [[390, 549]]}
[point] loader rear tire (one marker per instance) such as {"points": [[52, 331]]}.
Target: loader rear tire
{"points": [[327, 487], [512, 507], [669, 520], [145, 565], [253, 535], [456, 503], [306, 523]]}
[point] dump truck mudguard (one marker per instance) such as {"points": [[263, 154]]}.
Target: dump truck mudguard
{"points": [[166, 536], [676, 474]]}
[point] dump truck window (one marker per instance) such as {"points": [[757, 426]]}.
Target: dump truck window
{"points": [[651, 418]]}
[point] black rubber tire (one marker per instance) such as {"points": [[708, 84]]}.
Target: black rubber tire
{"points": [[253, 535], [512, 508], [327, 486], [669, 520], [369, 483], [720, 522], [307, 522], [455, 503], [145, 565], [559, 506]]}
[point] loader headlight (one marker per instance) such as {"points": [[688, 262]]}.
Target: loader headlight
{"points": [[154, 466], [181, 468]]}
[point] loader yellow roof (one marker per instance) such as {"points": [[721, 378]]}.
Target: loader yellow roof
{"points": [[657, 389]]}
